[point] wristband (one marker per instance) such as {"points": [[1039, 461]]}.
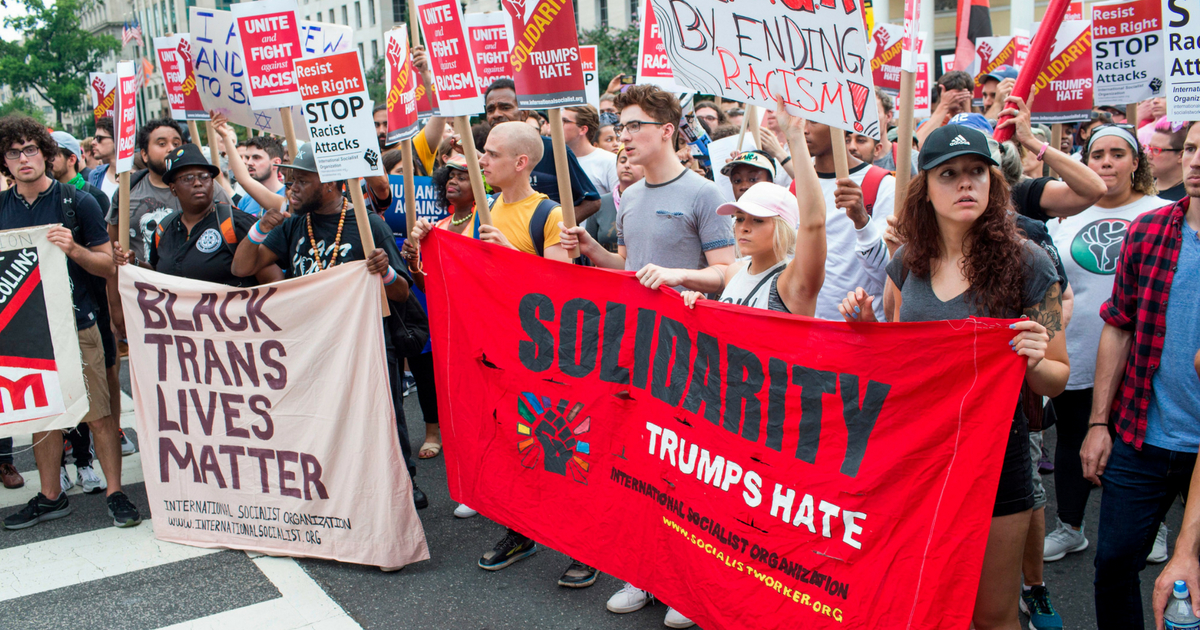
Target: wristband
{"points": [[1042, 153], [390, 276], [785, 160], [255, 235], [1097, 424]]}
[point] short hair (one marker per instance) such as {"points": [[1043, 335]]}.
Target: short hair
{"points": [[588, 116], [479, 133], [500, 84], [1176, 133], [724, 131], [105, 124], [379, 108], [721, 117], [269, 144], [885, 101], [16, 129], [522, 139], [85, 145], [143, 134], [955, 80], [391, 158], [606, 97], [659, 104]]}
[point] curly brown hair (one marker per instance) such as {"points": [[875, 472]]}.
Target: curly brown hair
{"points": [[660, 105], [18, 129], [994, 263], [1143, 179]]}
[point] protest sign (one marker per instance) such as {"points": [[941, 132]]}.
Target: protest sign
{"points": [[922, 99], [175, 59], [591, 75], [449, 57], [490, 36], [317, 38], [911, 46], [1075, 11], [427, 101], [785, 49], [789, 483], [269, 32], [104, 94], [1127, 51], [426, 205], [337, 112], [653, 64], [1064, 85], [885, 61], [41, 373], [241, 447], [126, 126], [1182, 66], [545, 55], [401, 86], [993, 52]]}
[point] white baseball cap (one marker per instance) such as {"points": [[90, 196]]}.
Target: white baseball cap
{"points": [[765, 200]]}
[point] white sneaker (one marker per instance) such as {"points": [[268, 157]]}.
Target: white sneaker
{"points": [[676, 620], [1062, 541], [462, 511], [127, 445], [628, 599], [65, 480], [1158, 553], [90, 481]]}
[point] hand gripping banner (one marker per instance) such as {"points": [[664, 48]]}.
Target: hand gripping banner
{"points": [[756, 470]]}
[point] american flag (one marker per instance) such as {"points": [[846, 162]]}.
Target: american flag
{"points": [[132, 32]]}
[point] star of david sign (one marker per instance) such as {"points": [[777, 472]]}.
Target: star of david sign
{"points": [[262, 120]]}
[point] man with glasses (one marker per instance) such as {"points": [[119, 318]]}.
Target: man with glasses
{"points": [[37, 199], [1165, 151], [104, 149], [581, 132]]}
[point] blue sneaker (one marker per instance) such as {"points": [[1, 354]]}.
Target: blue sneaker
{"points": [[1035, 602]]}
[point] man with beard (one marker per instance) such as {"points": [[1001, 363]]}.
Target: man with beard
{"points": [[316, 231], [104, 149], [262, 156]]}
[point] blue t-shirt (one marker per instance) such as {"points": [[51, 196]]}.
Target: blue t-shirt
{"points": [[46, 210], [1173, 416], [251, 207]]}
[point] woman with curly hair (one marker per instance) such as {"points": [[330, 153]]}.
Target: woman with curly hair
{"points": [[963, 257], [1090, 243]]}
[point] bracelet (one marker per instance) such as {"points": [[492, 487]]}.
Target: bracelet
{"points": [[1041, 153], [1093, 425], [390, 277], [785, 160], [256, 235]]}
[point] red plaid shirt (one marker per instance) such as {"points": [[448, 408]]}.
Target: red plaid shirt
{"points": [[1141, 288]]}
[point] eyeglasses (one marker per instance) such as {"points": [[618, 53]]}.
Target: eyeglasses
{"points": [[28, 151], [635, 126], [737, 111], [100, 138], [708, 117], [191, 178], [1157, 151]]}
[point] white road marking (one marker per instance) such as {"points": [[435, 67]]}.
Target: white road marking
{"points": [[131, 473]]}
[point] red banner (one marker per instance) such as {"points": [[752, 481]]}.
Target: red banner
{"points": [[843, 479], [545, 56], [1064, 85], [490, 39], [126, 125]]}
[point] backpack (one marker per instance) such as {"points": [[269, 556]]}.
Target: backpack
{"points": [[870, 185], [226, 227], [537, 223]]}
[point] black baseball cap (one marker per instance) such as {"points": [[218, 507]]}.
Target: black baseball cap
{"points": [[186, 156], [305, 160], [951, 141]]}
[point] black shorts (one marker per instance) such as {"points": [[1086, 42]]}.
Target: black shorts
{"points": [[1015, 492]]}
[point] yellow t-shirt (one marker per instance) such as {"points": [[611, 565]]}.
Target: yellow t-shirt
{"points": [[424, 153], [512, 219]]}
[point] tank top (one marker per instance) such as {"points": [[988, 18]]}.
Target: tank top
{"points": [[752, 290]]}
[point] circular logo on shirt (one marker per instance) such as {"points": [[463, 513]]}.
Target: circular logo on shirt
{"points": [[210, 241], [1097, 246]]}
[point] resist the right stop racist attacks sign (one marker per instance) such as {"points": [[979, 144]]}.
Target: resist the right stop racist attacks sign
{"points": [[270, 36], [1127, 51], [338, 116]]}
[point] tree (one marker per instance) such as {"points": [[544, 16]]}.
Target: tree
{"points": [[55, 55], [377, 82], [616, 51], [22, 106]]}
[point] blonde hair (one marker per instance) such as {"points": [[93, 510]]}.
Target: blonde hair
{"points": [[783, 240]]}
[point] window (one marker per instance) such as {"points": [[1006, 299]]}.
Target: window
{"points": [[357, 14], [371, 11], [374, 51], [345, 16], [602, 6], [331, 17], [575, 8], [362, 59], [633, 10]]}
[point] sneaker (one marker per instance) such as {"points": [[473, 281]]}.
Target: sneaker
{"points": [[90, 481], [1035, 602], [37, 510], [122, 510], [462, 511], [578, 575], [1046, 465], [127, 445], [1158, 553], [629, 599], [10, 477], [1062, 541], [68, 448], [64, 479], [511, 548], [676, 620], [420, 501], [408, 384]]}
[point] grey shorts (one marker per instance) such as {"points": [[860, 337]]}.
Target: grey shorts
{"points": [[1035, 456]]}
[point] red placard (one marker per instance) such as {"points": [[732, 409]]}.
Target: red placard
{"points": [[402, 87], [844, 479], [175, 59], [545, 59], [329, 76], [449, 57], [888, 40], [993, 52], [270, 36], [104, 94], [126, 115], [1074, 11], [921, 97], [1064, 85], [912, 24], [489, 36], [653, 66]]}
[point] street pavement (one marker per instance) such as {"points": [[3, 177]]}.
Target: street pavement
{"points": [[80, 571]]}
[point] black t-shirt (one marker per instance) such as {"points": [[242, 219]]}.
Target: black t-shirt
{"points": [[1036, 231], [1174, 193], [298, 257], [1027, 197], [207, 252], [15, 213], [544, 178]]}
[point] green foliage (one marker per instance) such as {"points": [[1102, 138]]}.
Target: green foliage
{"points": [[56, 55], [616, 51], [377, 82], [22, 106]]}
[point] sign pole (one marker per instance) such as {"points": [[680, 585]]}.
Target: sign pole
{"points": [[1039, 54], [841, 160], [751, 110], [1131, 116], [364, 227], [904, 134], [753, 125], [410, 187], [462, 124], [214, 144], [123, 211], [194, 132], [565, 198], [414, 28], [1056, 133], [289, 130]]}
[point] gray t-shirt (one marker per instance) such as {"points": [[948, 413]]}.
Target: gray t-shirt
{"points": [[149, 204], [672, 224]]}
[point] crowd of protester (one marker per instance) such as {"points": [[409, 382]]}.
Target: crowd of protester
{"points": [[1092, 245]]}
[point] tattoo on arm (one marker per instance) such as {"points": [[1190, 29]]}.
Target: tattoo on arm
{"points": [[1048, 312]]}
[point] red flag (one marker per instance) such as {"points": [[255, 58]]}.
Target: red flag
{"points": [[974, 20]]}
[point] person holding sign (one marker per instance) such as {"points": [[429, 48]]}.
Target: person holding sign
{"points": [[963, 257]]}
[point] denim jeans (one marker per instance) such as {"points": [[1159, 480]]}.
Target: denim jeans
{"points": [[1139, 488]]}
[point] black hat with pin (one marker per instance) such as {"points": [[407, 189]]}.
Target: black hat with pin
{"points": [[951, 141], [305, 160], [186, 156]]}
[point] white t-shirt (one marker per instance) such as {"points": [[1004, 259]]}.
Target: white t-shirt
{"points": [[854, 258], [1089, 245], [750, 289], [109, 188], [601, 168]]}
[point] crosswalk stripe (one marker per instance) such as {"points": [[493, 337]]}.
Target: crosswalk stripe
{"points": [[131, 473]]}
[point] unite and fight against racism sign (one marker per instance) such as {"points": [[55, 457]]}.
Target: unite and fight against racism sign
{"points": [[450, 61], [248, 439], [490, 36], [270, 37], [337, 112], [126, 125], [844, 479]]}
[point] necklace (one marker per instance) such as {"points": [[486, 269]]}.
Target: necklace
{"points": [[336, 239], [458, 222]]}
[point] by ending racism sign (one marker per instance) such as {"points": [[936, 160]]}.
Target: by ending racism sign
{"points": [[337, 112]]}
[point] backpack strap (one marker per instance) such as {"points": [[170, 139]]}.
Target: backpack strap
{"points": [[537, 224], [870, 185], [70, 220], [767, 278], [167, 221], [228, 234]]}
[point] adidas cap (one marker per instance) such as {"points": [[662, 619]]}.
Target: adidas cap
{"points": [[951, 141]]}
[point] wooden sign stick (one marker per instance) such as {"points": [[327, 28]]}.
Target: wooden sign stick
{"points": [[1131, 116], [123, 211], [364, 228], [194, 132], [214, 144], [565, 197], [410, 188], [289, 132], [841, 161], [750, 112], [753, 127], [462, 124], [904, 134]]}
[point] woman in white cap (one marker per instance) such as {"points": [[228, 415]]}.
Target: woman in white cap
{"points": [[963, 257]]}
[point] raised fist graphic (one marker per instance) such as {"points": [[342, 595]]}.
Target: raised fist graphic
{"points": [[1103, 239], [554, 434]]}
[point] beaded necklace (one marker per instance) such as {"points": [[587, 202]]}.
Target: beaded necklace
{"points": [[336, 239]]}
